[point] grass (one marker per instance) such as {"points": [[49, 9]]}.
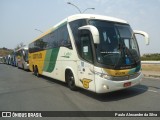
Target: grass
{"points": [[151, 67]]}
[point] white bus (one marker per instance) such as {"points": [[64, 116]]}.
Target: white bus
{"points": [[8, 59], [22, 58], [94, 52], [1, 60]]}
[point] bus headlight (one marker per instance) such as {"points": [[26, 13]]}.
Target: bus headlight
{"points": [[105, 87]]}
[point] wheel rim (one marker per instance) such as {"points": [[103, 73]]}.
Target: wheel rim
{"points": [[71, 80]]}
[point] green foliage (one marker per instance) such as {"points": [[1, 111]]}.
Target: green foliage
{"points": [[4, 51], [150, 57]]}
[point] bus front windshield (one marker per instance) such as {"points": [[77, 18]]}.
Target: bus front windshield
{"points": [[118, 46], [26, 55]]}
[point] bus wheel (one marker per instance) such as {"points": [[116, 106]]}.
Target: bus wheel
{"points": [[70, 80], [36, 73]]}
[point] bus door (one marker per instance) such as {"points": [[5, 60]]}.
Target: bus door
{"points": [[85, 65]]}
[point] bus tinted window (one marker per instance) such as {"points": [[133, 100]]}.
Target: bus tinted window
{"points": [[57, 38], [63, 36]]}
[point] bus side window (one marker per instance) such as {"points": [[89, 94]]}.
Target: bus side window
{"points": [[86, 48], [64, 39]]}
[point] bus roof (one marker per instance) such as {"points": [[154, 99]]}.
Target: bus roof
{"points": [[93, 16], [81, 16], [24, 47]]}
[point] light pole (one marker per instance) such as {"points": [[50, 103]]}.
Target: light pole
{"points": [[38, 30], [88, 9], [74, 6], [78, 7]]}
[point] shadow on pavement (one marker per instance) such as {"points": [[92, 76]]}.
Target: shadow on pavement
{"points": [[105, 97], [116, 95], [53, 81]]}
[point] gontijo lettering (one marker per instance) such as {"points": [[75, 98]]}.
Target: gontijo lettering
{"points": [[37, 55]]}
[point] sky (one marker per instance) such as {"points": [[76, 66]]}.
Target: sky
{"points": [[20, 18]]}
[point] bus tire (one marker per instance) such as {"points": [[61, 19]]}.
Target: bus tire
{"points": [[70, 80], [36, 73]]}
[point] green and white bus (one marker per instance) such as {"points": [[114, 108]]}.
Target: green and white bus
{"points": [[94, 52]]}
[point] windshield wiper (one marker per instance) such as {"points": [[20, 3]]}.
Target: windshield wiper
{"points": [[120, 48], [132, 56]]}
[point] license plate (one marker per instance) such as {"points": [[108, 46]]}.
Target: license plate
{"points": [[127, 84]]}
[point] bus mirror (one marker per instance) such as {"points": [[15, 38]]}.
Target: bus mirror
{"points": [[23, 53], [146, 36], [94, 31]]}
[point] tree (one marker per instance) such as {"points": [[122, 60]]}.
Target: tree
{"points": [[4, 48], [19, 45]]}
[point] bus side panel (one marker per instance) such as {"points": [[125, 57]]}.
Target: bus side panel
{"points": [[50, 60], [63, 58], [86, 75], [30, 62], [66, 60], [37, 59]]}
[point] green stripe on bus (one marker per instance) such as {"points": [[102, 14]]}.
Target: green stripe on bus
{"points": [[50, 59]]}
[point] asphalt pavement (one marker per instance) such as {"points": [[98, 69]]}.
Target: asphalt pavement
{"points": [[22, 91]]}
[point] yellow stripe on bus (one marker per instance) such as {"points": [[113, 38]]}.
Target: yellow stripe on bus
{"points": [[37, 58], [117, 72]]}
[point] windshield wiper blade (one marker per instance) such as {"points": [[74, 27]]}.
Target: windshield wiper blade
{"points": [[120, 49], [132, 56]]}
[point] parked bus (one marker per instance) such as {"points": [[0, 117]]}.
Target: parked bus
{"points": [[22, 58], [5, 59], [94, 52], [13, 58], [1, 60], [8, 59]]}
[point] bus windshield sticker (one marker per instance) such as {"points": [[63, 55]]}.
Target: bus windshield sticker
{"points": [[85, 49], [82, 64]]}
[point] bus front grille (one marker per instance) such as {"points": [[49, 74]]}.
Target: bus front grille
{"points": [[123, 78]]}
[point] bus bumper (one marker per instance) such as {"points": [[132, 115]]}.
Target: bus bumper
{"points": [[26, 66], [107, 85]]}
